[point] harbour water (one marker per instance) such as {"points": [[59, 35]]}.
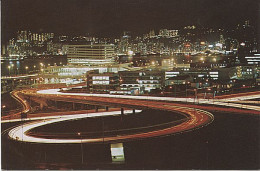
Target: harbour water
{"points": [[30, 65]]}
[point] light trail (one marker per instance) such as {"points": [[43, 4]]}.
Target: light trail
{"points": [[19, 132], [248, 102], [58, 115], [195, 119], [219, 102]]}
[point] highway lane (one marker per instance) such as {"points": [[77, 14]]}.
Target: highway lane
{"points": [[227, 96], [234, 101], [82, 97], [218, 102], [196, 119], [26, 106], [248, 102], [53, 115]]}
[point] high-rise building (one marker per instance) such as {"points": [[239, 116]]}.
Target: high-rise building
{"points": [[22, 36], [173, 33], [96, 54], [163, 33], [151, 34], [168, 33]]}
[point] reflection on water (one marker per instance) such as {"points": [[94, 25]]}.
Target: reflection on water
{"points": [[29, 65], [34, 65]]}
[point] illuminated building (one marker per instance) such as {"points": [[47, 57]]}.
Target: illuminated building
{"points": [[173, 33], [143, 80], [79, 71], [22, 36], [152, 34], [169, 74], [244, 72], [181, 79], [167, 63], [102, 82], [253, 60], [168, 33], [96, 54], [125, 44], [199, 74]]}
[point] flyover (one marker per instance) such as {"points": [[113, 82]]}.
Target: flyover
{"points": [[192, 109], [194, 118]]}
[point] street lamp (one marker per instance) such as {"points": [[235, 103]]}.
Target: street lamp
{"points": [[186, 84], [12, 69], [26, 68], [9, 67], [81, 146]]}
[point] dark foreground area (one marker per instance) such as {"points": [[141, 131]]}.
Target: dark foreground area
{"points": [[145, 121], [230, 142]]}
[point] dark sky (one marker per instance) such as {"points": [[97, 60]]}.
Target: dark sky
{"points": [[111, 17]]}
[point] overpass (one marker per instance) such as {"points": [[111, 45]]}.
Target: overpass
{"points": [[195, 113], [194, 118], [226, 102]]}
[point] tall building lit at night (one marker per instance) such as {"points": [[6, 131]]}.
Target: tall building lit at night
{"points": [[130, 85], [96, 54]]}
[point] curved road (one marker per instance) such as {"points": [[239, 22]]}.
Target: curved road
{"points": [[195, 118]]}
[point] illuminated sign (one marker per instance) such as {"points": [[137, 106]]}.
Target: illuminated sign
{"points": [[101, 82], [130, 52], [117, 152], [219, 45], [100, 78]]}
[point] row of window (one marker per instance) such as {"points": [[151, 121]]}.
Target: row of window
{"points": [[101, 82], [100, 77]]}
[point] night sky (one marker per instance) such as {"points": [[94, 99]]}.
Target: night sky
{"points": [[112, 17]]}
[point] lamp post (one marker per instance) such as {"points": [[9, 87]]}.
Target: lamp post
{"points": [[186, 88], [12, 69], [26, 68], [81, 146], [9, 67]]}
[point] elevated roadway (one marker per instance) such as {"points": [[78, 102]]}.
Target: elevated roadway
{"points": [[193, 110]]}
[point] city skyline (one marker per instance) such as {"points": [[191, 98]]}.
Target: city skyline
{"points": [[132, 84], [111, 18]]}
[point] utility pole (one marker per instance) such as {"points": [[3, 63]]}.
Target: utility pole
{"points": [[81, 146]]}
